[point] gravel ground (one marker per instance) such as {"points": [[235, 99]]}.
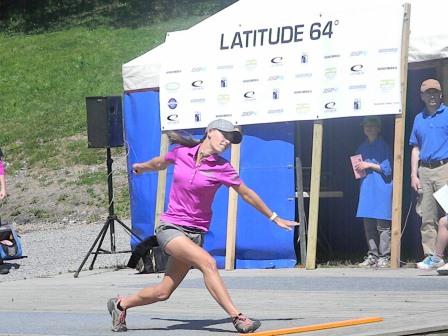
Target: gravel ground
{"points": [[52, 249]]}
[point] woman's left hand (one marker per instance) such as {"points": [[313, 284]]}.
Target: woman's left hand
{"points": [[285, 224]]}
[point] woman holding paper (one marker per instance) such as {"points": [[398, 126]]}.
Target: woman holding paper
{"points": [[375, 196]]}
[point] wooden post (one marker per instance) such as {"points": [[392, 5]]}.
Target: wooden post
{"points": [[400, 119], [314, 194], [161, 181], [232, 213]]}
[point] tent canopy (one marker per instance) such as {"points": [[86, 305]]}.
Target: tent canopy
{"points": [[428, 39]]}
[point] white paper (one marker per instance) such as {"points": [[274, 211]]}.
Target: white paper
{"points": [[441, 196]]}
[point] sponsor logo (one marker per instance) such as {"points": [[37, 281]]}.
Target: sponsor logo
{"points": [[275, 77], [330, 73], [173, 72], [303, 108], [387, 68], [223, 115], [330, 90], [357, 69], [198, 69], [172, 86], [197, 84], [275, 111], [223, 99], [249, 95], [386, 103], [224, 67], [303, 91], [223, 82], [172, 103], [304, 75], [252, 80], [357, 104], [248, 113], [330, 106], [358, 53], [387, 85], [197, 100], [388, 50], [304, 58], [197, 116], [357, 87], [275, 94], [251, 64], [172, 117], [332, 56], [277, 61]]}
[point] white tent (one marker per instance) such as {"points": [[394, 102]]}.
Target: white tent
{"points": [[428, 39]]}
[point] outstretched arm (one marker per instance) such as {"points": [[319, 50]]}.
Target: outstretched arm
{"points": [[253, 199], [157, 163]]}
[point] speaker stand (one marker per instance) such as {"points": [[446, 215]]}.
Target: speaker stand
{"points": [[108, 225]]}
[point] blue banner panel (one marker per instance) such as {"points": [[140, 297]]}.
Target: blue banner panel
{"points": [[260, 243], [142, 132], [215, 239], [267, 167]]}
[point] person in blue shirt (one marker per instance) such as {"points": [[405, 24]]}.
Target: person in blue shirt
{"points": [[375, 196], [429, 168]]}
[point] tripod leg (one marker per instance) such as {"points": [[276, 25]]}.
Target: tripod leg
{"points": [[105, 227], [127, 228], [100, 235]]}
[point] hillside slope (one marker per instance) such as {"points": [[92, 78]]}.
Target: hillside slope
{"points": [[52, 176]]}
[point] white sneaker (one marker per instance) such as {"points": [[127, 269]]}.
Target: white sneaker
{"points": [[369, 261], [429, 263], [443, 270], [383, 262]]}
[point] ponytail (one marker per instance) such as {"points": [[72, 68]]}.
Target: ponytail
{"points": [[183, 138]]}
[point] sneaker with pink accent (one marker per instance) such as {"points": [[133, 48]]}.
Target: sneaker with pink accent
{"points": [[118, 316], [244, 325]]}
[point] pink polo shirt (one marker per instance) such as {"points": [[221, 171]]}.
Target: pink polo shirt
{"points": [[194, 187], [2, 168]]}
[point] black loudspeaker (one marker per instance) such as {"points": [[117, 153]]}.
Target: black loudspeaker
{"points": [[104, 122]]}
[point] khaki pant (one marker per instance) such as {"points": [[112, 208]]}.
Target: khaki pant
{"points": [[431, 180]]}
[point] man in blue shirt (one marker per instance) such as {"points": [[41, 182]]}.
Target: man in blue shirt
{"points": [[429, 168]]}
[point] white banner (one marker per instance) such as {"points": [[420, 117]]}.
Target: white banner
{"points": [[289, 64]]}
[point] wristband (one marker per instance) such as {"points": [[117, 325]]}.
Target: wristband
{"points": [[274, 216]]}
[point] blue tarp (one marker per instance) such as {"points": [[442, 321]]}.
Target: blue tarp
{"points": [[266, 165]]}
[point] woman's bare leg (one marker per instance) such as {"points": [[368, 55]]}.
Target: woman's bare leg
{"points": [[187, 252], [176, 271]]}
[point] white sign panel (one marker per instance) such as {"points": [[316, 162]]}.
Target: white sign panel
{"points": [[290, 64]]}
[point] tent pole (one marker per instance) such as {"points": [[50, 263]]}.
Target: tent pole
{"points": [[316, 166], [397, 198], [161, 181], [232, 213]]}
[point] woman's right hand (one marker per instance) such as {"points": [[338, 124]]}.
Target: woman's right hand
{"points": [[138, 168]]}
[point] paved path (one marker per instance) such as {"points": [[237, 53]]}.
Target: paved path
{"points": [[409, 300]]}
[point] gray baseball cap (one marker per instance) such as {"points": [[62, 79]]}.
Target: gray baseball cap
{"points": [[229, 130]]}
